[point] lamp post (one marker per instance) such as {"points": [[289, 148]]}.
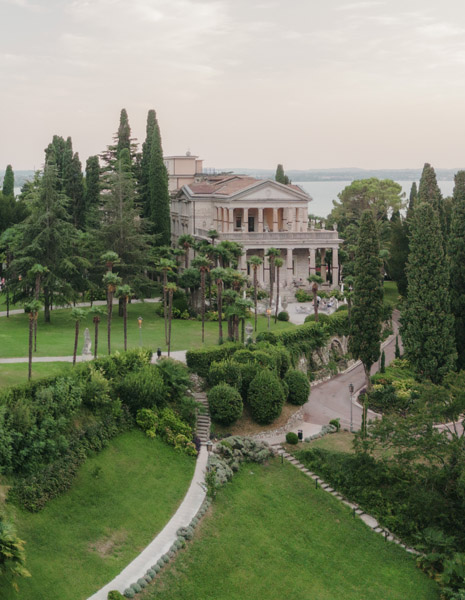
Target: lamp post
{"points": [[268, 314], [139, 320], [351, 390]]}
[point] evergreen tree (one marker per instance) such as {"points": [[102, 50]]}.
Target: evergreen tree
{"points": [[427, 324], [280, 176], [92, 189], [122, 231], [429, 192], [456, 250], [144, 189], [398, 253], [8, 187], [122, 140], [73, 187], [159, 191], [412, 199], [365, 325], [59, 152]]}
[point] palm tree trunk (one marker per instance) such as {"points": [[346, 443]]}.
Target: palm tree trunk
{"points": [[96, 323], [271, 279], [277, 296], [165, 307], [202, 288], [76, 337], [219, 300], [170, 310], [243, 329], [31, 329], [35, 333], [125, 322], [110, 311], [255, 295], [315, 305], [47, 305]]}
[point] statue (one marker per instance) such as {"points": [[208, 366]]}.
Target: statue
{"points": [[86, 350], [335, 226]]}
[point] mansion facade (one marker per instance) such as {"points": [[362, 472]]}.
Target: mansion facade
{"points": [[257, 214]]}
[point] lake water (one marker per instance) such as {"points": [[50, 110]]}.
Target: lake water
{"points": [[324, 192]]}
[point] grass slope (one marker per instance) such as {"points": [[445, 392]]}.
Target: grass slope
{"points": [[57, 338], [17, 373], [391, 293], [272, 536], [120, 500]]}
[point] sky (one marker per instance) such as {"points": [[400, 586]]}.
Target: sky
{"points": [[241, 83]]}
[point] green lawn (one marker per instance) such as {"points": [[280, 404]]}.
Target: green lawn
{"points": [[3, 303], [15, 374], [391, 293], [120, 500], [271, 535], [57, 338]]}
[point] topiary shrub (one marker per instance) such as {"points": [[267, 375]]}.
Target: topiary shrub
{"points": [[243, 356], [292, 438], [136, 587], [225, 371], [142, 389], [248, 372], [266, 397], [225, 404], [115, 595], [267, 336], [283, 316], [129, 593], [142, 582], [322, 318], [298, 385]]}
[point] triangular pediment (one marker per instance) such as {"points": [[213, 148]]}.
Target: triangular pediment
{"points": [[269, 190]]}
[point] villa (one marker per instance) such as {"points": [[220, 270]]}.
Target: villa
{"points": [[258, 214]]}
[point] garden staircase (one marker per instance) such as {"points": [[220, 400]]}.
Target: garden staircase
{"points": [[203, 417]]}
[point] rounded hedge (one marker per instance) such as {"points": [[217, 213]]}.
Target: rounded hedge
{"points": [[115, 595], [225, 371], [267, 336], [248, 372], [266, 397], [322, 318], [299, 387], [225, 404], [292, 438], [283, 316]]}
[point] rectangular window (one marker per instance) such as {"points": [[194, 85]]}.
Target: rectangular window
{"points": [[238, 222]]}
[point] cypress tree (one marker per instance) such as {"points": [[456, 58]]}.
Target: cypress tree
{"points": [[429, 192], [366, 313], [8, 187], [73, 187], [398, 252], [427, 324], [159, 191], [122, 140], [280, 176], [456, 250], [92, 183], [412, 199], [144, 189]]}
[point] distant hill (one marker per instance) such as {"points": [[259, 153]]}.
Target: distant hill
{"points": [[346, 174]]}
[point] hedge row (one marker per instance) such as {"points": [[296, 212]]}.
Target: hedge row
{"points": [[200, 360]]}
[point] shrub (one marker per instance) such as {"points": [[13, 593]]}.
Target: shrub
{"points": [[115, 595], [299, 387], [225, 371], [200, 360], [292, 438], [129, 593], [142, 389], [266, 397], [283, 316], [303, 296], [322, 318], [267, 336], [136, 587], [243, 356], [170, 426], [147, 420], [336, 423], [248, 372], [225, 404]]}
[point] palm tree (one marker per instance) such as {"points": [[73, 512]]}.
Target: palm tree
{"points": [[230, 296], [186, 241], [315, 280], [111, 280], [278, 263], [77, 314], [165, 265], [255, 261], [203, 264], [124, 292], [110, 258], [272, 254], [97, 312], [219, 274], [213, 235], [32, 308], [37, 271], [170, 288]]}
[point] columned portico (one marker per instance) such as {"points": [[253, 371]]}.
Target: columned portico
{"points": [[323, 264]]}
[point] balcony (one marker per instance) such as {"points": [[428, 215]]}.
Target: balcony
{"points": [[314, 237]]}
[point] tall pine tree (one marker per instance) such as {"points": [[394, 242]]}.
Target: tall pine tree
{"points": [[429, 192], [456, 248], [427, 323], [8, 187], [144, 189], [159, 191], [122, 140], [365, 321], [92, 190]]}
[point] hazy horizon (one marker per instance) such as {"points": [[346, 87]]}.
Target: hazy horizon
{"points": [[372, 83]]}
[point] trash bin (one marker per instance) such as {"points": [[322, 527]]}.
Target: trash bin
{"points": [[300, 435]]}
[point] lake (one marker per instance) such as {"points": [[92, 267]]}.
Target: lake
{"points": [[324, 192]]}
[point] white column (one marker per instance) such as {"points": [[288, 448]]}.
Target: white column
{"points": [[312, 259], [323, 264], [275, 219], [335, 267], [289, 266], [245, 219], [260, 220], [231, 220]]}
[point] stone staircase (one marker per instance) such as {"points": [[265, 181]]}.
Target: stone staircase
{"points": [[203, 417]]}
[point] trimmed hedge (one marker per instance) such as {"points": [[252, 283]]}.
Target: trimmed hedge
{"points": [[142, 389], [266, 397], [225, 404], [299, 387], [200, 360], [225, 371]]}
